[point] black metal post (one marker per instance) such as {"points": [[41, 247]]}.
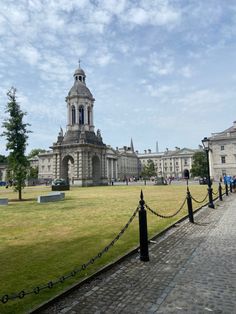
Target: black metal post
{"points": [[190, 206], [226, 189], [220, 192], [230, 187], [211, 204], [143, 233]]}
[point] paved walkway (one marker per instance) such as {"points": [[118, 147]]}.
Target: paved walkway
{"points": [[191, 270]]}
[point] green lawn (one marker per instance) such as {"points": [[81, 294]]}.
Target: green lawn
{"points": [[41, 242]]}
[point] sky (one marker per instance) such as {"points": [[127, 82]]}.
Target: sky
{"points": [[160, 70]]}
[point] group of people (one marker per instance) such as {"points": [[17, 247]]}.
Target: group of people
{"points": [[230, 180]]}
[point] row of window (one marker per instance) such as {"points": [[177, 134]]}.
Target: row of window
{"points": [[171, 169], [165, 163], [49, 159], [44, 168]]}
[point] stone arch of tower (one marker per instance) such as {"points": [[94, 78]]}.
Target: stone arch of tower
{"points": [[96, 170], [67, 168], [81, 115], [73, 117]]}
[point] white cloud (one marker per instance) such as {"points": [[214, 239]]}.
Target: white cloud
{"points": [[186, 71], [30, 54], [114, 6], [102, 56], [165, 49], [159, 13]]}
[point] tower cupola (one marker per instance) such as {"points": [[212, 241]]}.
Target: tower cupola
{"points": [[79, 75]]}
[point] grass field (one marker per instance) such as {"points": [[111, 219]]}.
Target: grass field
{"points": [[42, 242]]}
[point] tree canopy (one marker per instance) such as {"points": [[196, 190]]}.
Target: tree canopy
{"points": [[34, 152], [199, 166], [33, 173], [16, 137], [148, 169]]}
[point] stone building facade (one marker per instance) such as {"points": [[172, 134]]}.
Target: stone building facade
{"points": [[122, 163], [171, 163], [45, 165], [222, 154], [128, 163]]}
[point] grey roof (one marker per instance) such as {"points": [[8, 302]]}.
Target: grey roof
{"points": [[79, 71], [80, 89], [231, 131], [73, 137]]}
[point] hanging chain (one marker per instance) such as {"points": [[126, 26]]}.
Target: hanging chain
{"points": [[199, 202], [5, 298], [166, 216]]}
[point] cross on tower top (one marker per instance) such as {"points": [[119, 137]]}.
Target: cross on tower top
{"points": [[79, 62]]}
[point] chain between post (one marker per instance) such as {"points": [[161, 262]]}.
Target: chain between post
{"points": [[197, 201], [20, 295], [166, 216]]}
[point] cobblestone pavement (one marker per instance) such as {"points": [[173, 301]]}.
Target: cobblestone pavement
{"points": [[191, 270]]}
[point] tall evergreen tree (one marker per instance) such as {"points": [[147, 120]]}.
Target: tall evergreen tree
{"points": [[16, 137], [199, 166]]}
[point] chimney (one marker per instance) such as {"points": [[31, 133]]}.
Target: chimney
{"points": [[145, 151], [149, 151]]}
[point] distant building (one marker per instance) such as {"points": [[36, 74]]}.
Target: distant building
{"points": [[222, 155], [122, 163], [45, 166], [171, 163], [3, 171], [128, 163]]}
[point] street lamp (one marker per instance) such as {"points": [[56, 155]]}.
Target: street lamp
{"points": [[205, 143]]}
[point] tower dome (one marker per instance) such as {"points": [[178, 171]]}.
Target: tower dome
{"points": [[79, 71], [79, 88]]}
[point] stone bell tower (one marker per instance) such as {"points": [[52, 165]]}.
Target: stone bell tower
{"points": [[80, 154]]}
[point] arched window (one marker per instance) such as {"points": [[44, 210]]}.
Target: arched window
{"points": [[89, 116], [81, 115], [73, 114]]}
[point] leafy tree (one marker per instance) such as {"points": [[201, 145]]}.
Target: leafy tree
{"points": [[34, 152], [3, 159], [199, 166], [148, 169], [33, 173], [16, 136]]}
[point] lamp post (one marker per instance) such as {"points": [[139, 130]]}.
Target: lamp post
{"points": [[205, 143]]}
